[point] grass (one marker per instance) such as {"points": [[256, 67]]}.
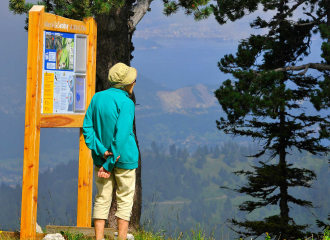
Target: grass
{"points": [[194, 234], [145, 235], [72, 236], [4, 237]]}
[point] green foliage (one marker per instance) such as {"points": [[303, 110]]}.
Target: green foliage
{"points": [[194, 233], [324, 225], [73, 9], [326, 234], [170, 8], [19, 6], [80, 9], [199, 8], [232, 10], [73, 236]]}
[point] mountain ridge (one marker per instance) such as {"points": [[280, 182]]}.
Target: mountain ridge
{"points": [[168, 100]]}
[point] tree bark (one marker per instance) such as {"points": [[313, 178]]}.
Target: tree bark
{"points": [[284, 208], [114, 45]]}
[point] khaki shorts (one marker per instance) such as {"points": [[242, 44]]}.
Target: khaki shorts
{"points": [[124, 193]]}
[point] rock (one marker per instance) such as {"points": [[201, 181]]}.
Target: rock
{"points": [[129, 236], [56, 236], [38, 228]]}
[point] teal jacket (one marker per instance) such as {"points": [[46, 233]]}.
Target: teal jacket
{"points": [[108, 125]]}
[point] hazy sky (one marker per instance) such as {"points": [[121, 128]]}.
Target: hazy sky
{"points": [[194, 63], [182, 60], [187, 54]]}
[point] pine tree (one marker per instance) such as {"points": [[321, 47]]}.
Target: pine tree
{"points": [[154, 147], [185, 155], [265, 104], [173, 150], [205, 150], [116, 23], [216, 152]]}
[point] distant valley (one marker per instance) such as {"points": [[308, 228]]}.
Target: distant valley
{"points": [[185, 117]]}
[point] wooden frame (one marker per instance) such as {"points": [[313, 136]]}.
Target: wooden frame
{"points": [[39, 21]]}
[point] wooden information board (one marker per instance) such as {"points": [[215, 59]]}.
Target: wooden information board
{"points": [[60, 85]]}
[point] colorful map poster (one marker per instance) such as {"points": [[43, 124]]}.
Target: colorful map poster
{"points": [[58, 92], [48, 92], [62, 91], [59, 51]]}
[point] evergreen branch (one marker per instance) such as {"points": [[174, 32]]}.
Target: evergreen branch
{"points": [[19, 6], [303, 203], [248, 234], [250, 206], [302, 117], [233, 10], [280, 19], [317, 66], [272, 225], [316, 20], [305, 24], [275, 24], [262, 152]]}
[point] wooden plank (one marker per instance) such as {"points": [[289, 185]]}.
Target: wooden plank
{"points": [[57, 23], [32, 125], [16, 235], [85, 184], [87, 231], [61, 120], [92, 57], [85, 175]]}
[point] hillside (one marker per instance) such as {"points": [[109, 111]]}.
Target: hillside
{"points": [[185, 123], [185, 117], [179, 190], [154, 96]]}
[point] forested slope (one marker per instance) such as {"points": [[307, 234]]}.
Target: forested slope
{"points": [[179, 189]]}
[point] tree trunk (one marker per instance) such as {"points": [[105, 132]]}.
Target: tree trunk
{"points": [[284, 208], [114, 45]]}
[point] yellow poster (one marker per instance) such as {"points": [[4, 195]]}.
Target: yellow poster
{"points": [[48, 92]]}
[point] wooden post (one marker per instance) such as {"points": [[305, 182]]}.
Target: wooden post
{"points": [[85, 176], [32, 125]]}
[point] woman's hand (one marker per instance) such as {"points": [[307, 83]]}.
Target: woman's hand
{"points": [[103, 173], [107, 154]]}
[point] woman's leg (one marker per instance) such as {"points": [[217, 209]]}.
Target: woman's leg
{"points": [[102, 203], [125, 193], [122, 228]]}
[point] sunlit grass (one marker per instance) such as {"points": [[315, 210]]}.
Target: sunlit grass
{"points": [[3, 236], [194, 234]]}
